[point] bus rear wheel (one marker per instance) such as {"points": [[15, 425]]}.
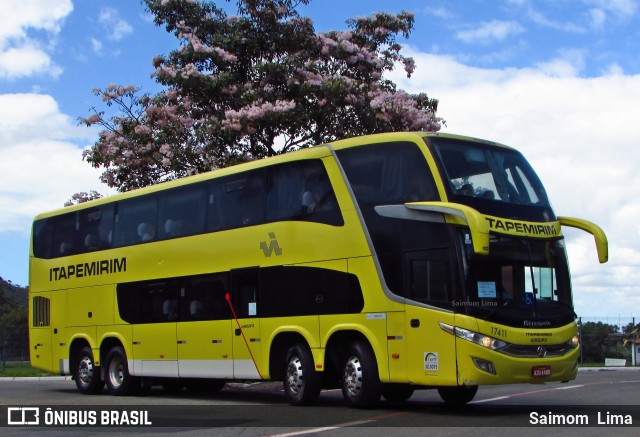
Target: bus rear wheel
{"points": [[458, 395], [302, 384], [119, 381], [360, 382], [86, 374]]}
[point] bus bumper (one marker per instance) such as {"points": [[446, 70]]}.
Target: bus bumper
{"points": [[478, 365]]}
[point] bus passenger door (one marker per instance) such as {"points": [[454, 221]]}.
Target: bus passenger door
{"points": [[431, 350], [246, 329], [205, 341]]}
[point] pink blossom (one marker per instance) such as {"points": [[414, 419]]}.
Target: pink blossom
{"points": [[190, 70], [348, 46], [409, 66], [142, 129], [166, 70], [165, 149], [157, 61], [93, 119], [186, 122], [380, 30], [226, 56]]}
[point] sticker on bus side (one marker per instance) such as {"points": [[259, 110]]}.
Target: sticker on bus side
{"points": [[431, 361], [376, 316]]}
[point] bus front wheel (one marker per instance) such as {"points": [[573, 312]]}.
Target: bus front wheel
{"points": [[360, 382], [458, 395], [86, 374], [302, 384], [119, 381]]}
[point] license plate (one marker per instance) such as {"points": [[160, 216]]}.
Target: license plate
{"points": [[540, 371]]}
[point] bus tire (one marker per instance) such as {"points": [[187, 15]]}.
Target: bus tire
{"points": [[119, 381], [86, 374], [397, 392], [458, 395], [360, 383], [302, 384]]}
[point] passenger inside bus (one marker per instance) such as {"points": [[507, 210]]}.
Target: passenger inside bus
{"points": [[146, 232], [170, 309], [318, 195]]}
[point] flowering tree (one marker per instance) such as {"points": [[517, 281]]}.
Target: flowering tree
{"points": [[253, 85], [82, 197]]}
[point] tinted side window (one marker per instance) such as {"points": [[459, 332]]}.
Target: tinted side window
{"points": [[43, 238], [136, 221], [149, 301], [64, 232], [428, 276], [285, 189], [96, 228], [301, 191], [182, 211], [236, 201], [204, 298], [298, 291], [388, 173], [192, 298]]}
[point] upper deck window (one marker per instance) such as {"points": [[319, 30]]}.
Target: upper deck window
{"points": [[291, 191], [388, 173]]}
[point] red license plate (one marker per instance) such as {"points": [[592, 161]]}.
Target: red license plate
{"points": [[540, 371]]}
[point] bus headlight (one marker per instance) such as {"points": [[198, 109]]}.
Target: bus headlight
{"points": [[481, 339], [575, 341]]}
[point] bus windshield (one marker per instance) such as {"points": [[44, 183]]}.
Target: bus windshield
{"points": [[487, 177], [521, 283]]}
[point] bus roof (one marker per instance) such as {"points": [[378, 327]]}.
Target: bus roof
{"points": [[406, 136]]}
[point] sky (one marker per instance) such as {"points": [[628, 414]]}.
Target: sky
{"points": [[557, 79]]}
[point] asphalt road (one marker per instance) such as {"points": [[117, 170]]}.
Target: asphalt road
{"points": [[603, 399]]}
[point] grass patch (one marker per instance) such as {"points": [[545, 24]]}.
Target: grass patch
{"points": [[14, 369]]}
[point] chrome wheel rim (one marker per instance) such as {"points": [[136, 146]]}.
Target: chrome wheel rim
{"points": [[353, 376], [295, 380], [116, 373], [85, 370]]}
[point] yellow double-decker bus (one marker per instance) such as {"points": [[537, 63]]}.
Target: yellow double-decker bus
{"points": [[379, 264]]}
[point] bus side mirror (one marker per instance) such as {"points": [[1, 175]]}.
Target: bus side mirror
{"points": [[602, 246]]}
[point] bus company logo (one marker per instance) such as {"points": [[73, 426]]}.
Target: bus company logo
{"points": [[83, 270], [507, 226], [431, 361], [273, 246]]}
